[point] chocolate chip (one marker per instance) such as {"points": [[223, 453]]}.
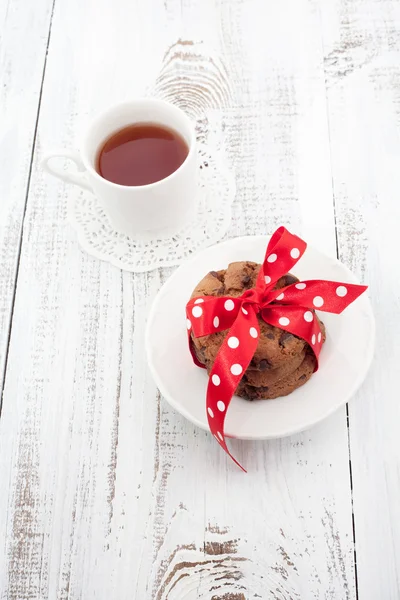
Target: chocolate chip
{"points": [[270, 336], [263, 365], [285, 337], [263, 389], [216, 275], [289, 279], [302, 377], [199, 353], [246, 279]]}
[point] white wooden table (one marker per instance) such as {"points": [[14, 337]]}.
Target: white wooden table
{"points": [[106, 492]]}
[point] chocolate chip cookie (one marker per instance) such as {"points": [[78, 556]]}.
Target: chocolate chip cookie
{"points": [[282, 361]]}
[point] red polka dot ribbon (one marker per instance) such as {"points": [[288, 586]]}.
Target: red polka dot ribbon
{"points": [[290, 308]]}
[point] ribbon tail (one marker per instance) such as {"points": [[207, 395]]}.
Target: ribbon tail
{"points": [[230, 364], [236, 461]]}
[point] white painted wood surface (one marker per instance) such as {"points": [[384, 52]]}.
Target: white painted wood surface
{"points": [[105, 491], [362, 58], [24, 30]]}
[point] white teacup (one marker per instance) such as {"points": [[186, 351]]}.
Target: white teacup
{"points": [[155, 210]]}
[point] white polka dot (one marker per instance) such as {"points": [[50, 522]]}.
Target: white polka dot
{"points": [[229, 305], [313, 339], [199, 301], [188, 324], [216, 322], [319, 337], [236, 369], [300, 286], [197, 311], [219, 434], [295, 253], [221, 405], [284, 321], [244, 311], [318, 301], [341, 291], [210, 412], [281, 296], [267, 279], [308, 316], [253, 332], [215, 379], [233, 342], [217, 438], [272, 258]]}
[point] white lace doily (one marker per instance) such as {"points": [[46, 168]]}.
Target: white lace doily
{"points": [[210, 223]]}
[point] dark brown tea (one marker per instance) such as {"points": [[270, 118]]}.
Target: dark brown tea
{"points": [[141, 154]]}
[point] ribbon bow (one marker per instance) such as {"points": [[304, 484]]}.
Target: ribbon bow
{"points": [[290, 308]]}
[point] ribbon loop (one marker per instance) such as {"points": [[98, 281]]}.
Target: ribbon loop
{"points": [[283, 252]]}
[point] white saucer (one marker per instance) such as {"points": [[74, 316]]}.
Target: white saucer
{"points": [[344, 360]]}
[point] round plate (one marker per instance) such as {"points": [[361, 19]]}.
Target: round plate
{"points": [[344, 359]]}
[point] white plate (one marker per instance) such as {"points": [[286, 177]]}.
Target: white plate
{"points": [[344, 359]]}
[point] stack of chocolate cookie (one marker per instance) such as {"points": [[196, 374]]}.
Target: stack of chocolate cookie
{"points": [[282, 361]]}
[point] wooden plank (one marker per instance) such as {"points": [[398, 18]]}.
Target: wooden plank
{"points": [[362, 61], [109, 492], [24, 31]]}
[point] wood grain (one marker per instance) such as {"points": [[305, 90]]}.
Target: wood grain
{"points": [[24, 32], [106, 491]]}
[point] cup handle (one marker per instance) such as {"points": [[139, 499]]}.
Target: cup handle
{"points": [[78, 177]]}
